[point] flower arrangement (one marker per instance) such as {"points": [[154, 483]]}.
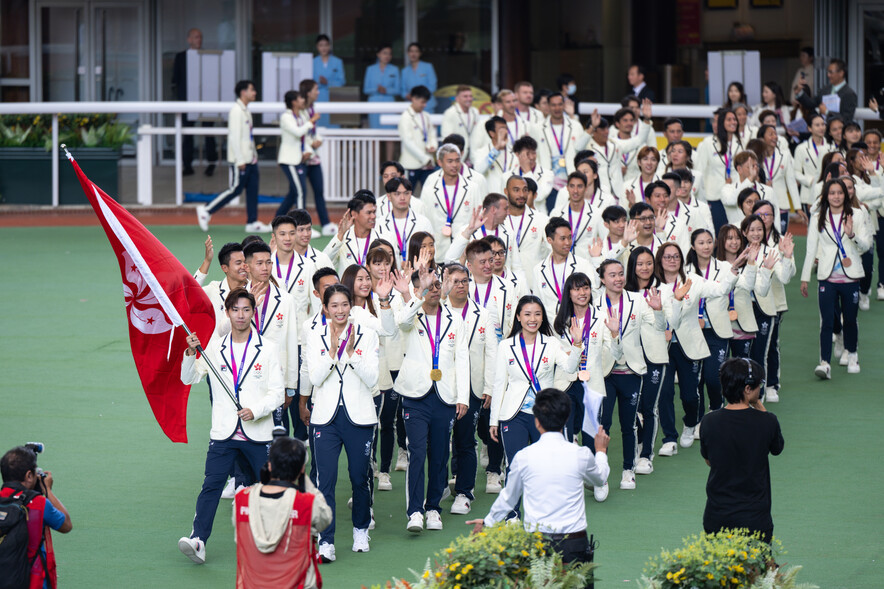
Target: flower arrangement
{"points": [[75, 130], [502, 556], [735, 559]]}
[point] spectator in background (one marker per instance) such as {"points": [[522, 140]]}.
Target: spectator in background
{"points": [[772, 99], [736, 94], [834, 98], [381, 83], [636, 76], [804, 75], [179, 86], [541, 101], [329, 71], [419, 73], [567, 85], [418, 137]]}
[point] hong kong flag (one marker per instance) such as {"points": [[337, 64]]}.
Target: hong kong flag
{"points": [[160, 295]]}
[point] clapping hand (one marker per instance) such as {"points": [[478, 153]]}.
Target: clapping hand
{"points": [[682, 290], [753, 253], [384, 286], [595, 248], [351, 344], [787, 246], [740, 261]]}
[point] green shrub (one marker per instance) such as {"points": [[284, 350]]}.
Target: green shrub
{"points": [[74, 130]]}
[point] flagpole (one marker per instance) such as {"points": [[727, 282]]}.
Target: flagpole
{"points": [[217, 374]]}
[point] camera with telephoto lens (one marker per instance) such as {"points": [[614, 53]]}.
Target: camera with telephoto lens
{"points": [[37, 448]]}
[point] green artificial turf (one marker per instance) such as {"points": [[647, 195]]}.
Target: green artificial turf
{"points": [[69, 381]]}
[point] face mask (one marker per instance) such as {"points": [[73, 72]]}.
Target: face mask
{"points": [[572, 88]]}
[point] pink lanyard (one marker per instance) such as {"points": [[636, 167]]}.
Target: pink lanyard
{"points": [[487, 294], [401, 238], [552, 268], [556, 139], [466, 306], [770, 166], [512, 138], [263, 314], [344, 343], [365, 250], [586, 322], [608, 301], [529, 366]]}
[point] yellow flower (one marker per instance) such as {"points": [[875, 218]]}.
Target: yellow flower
{"points": [[457, 577], [525, 553], [426, 574], [457, 586], [745, 556], [669, 575], [438, 574], [739, 568], [731, 552], [449, 550], [500, 563], [468, 568], [705, 562], [734, 580], [710, 576]]}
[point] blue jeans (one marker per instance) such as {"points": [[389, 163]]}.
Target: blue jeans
{"points": [[328, 440], [314, 176], [847, 294], [464, 461], [247, 180], [295, 197], [625, 391], [428, 425], [250, 457], [652, 384], [709, 378], [688, 380]]}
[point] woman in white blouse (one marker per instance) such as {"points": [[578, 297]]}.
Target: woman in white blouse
{"points": [[294, 125], [714, 160]]}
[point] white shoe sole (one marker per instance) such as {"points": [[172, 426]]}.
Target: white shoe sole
{"points": [[415, 528], [461, 510], [187, 549], [360, 549], [387, 487], [822, 373], [852, 370], [434, 526]]}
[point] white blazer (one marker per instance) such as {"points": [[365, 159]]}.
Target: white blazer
{"points": [[823, 248], [871, 194], [628, 148], [783, 271], [730, 194], [217, 291], [637, 315], [501, 302], [261, 388], [459, 245], [495, 165], [279, 324], [511, 382], [653, 337], [530, 235], [455, 120], [783, 177], [454, 357], [542, 176], [546, 277], [586, 225], [656, 242], [399, 231], [610, 171], [516, 283], [808, 161], [294, 129], [240, 144], [463, 198], [415, 204], [413, 128], [686, 328], [482, 344], [709, 162], [297, 278], [570, 136], [346, 382], [344, 254], [597, 347], [680, 223], [717, 307]]}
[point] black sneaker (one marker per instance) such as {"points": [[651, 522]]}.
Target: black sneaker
{"points": [[210, 169], [187, 172]]}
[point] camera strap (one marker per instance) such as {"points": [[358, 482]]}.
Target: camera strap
{"points": [[279, 483]]}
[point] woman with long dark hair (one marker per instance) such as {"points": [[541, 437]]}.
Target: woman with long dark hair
{"points": [[809, 158], [311, 161], [714, 160]]}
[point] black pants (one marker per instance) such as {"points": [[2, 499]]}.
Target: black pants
{"points": [[187, 146], [572, 549]]}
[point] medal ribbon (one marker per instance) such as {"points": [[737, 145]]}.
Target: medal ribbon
{"points": [[529, 366], [346, 339], [263, 314], [242, 363], [365, 249], [449, 204], [434, 340], [288, 272], [519, 230], [837, 232], [463, 313], [702, 307], [401, 238], [512, 138], [556, 139], [770, 166]]}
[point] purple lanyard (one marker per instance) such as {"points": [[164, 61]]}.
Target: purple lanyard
{"points": [[702, 307], [487, 294], [263, 314], [586, 321], [312, 131], [346, 339], [641, 187], [608, 301], [519, 231], [512, 138], [365, 250], [466, 306], [837, 232], [401, 239], [449, 204], [288, 272], [242, 363], [552, 268], [529, 366], [556, 139], [423, 126], [770, 166], [677, 209], [573, 227], [434, 340], [815, 150]]}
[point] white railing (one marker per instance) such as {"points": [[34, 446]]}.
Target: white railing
{"points": [[350, 156]]}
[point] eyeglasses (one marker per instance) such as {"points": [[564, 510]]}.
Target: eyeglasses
{"points": [[498, 254], [462, 282], [436, 286], [672, 257], [765, 215], [646, 219]]}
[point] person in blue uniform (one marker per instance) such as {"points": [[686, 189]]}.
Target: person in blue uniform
{"points": [[328, 70], [419, 73], [381, 83]]}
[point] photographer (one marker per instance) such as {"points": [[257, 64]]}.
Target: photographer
{"points": [[275, 521], [735, 441], [21, 478]]}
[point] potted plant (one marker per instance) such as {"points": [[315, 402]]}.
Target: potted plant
{"points": [[26, 155]]}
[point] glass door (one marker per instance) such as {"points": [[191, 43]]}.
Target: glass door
{"points": [[64, 55]]}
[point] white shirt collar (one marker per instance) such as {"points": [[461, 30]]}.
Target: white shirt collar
{"points": [[639, 88]]}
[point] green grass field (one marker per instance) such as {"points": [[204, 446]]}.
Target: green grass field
{"points": [[69, 380]]}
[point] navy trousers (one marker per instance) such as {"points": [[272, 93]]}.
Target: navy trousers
{"points": [[515, 434], [428, 425], [328, 440], [247, 180], [387, 411], [719, 216], [688, 380], [624, 390], [575, 421], [314, 175], [847, 295], [709, 379], [248, 456], [295, 197], [464, 461], [652, 384], [495, 449], [764, 340], [741, 348]]}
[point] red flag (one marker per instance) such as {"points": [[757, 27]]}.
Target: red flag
{"points": [[160, 296]]}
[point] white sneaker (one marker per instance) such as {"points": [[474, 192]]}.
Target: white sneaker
{"points": [[881, 292], [314, 234], [644, 466], [627, 481], [258, 227], [492, 483], [863, 302], [668, 449], [202, 217], [838, 345], [384, 483], [229, 489], [350, 503], [687, 437], [461, 505], [823, 371], [434, 520], [371, 522], [853, 363], [771, 395], [360, 540], [193, 548], [843, 357], [483, 457], [402, 460], [415, 523], [600, 493], [327, 552], [329, 229], [697, 432]]}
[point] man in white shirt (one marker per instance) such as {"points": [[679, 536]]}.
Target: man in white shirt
{"points": [[549, 476], [461, 118], [355, 233], [401, 220], [418, 137], [525, 150], [526, 226], [495, 158], [243, 157], [524, 92]]}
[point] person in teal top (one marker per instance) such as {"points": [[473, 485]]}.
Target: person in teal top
{"points": [[328, 70], [381, 83], [419, 73]]}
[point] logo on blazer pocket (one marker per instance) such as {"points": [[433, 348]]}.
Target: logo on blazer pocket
{"points": [[258, 371]]}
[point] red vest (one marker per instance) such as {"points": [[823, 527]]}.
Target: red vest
{"points": [[35, 535], [286, 567]]}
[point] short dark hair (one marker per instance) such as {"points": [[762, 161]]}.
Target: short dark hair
{"points": [[583, 154], [360, 199], [603, 123], [321, 37], [322, 273], [283, 220], [237, 294], [290, 97], [476, 248], [495, 240], [685, 175], [531, 185], [287, 457], [577, 176], [672, 121], [524, 142], [249, 239], [839, 63], [552, 408], [555, 223], [672, 176], [421, 91], [622, 112], [392, 164], [555, 95], [17, 463], [226, 250], [639, 208], [516, 177], [613, 213], [256, 248], [337, 288], [492, 122], [242, 85], [624, 102], [734, 374], [394, 183], [649, 189], [301, 217], [564, 80], [491, 199], [457, 140]]}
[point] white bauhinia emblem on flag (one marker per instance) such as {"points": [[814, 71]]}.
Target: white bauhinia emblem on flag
{"points": [[145, 312]]}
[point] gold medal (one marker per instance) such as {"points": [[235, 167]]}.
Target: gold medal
{"points": [[446, 231], [846, 262], [702, 323], [732, 314], [561, 162], [583, 375], [668, 335], [435, 375]]}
